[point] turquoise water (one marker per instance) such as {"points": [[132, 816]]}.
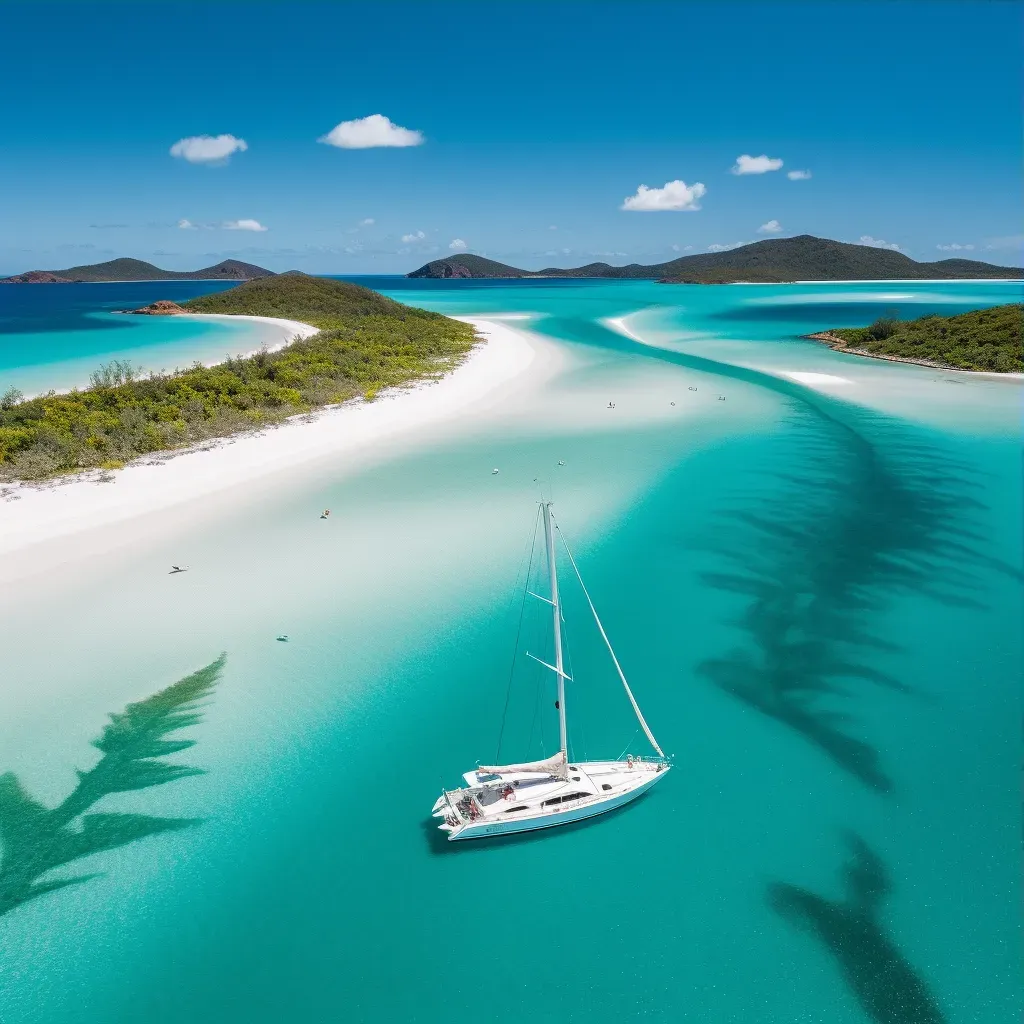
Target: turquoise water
{"points": [[54, 337], [816, 593]]}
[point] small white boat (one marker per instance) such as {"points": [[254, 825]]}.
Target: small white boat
{"points": [[498, 800]]}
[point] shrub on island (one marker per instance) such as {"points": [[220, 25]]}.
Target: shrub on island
{"points": [[983, 339]]}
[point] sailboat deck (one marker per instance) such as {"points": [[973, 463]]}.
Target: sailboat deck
{"points": [[522, 801]]}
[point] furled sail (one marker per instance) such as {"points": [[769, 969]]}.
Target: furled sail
{"points": [[555, 766]]}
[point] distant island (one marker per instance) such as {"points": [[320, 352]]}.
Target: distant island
{"points": [[984, 339], [772, 261], [126, 269], [366, 342]]}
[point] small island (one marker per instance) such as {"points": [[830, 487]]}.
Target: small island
{"points": [[984, 339], [769, 261], [366, 342], [127, 269]]}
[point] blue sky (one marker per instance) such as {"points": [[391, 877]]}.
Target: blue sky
{"points": [[538, 121]]}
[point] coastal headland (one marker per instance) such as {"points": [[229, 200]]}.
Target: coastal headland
{"points": [[985, 340], [348, 343]]}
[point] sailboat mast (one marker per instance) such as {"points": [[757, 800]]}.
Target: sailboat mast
{"points": [[556, 613]]}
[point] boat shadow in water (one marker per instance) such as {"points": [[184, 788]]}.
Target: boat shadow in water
{"points": [[884, 982], [863, 512], [37, 840]]}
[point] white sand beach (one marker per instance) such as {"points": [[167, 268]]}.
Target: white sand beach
{"points": [[292, 329], [40, 524]]}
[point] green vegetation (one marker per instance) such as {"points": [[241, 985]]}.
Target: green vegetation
{"points": [[366, 342], [37, 839], [125, 269], [984, 339], [772, 260]]}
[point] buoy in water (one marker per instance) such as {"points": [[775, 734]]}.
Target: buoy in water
{"points": [[494, 472], [283, 638], [326, 512], [671, 403], [691, 389]]}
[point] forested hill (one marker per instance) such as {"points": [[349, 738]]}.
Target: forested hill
{"points": [[803, 258], [126, 269]]}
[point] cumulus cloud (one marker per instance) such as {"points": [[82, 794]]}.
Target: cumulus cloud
{"points": [[371, 132], [719, 247], [675, 195], [747, 164], [367, 222], [457, 243], [552, 227], [798, 175], [417, 236], [243, 225], [186, 225], [208, 149], [771, 227], [685, 248], [953, 247], [878, 243]]}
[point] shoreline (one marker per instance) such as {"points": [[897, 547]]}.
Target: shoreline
{"points": [[299, 330], [838, 344], [36, 514]]}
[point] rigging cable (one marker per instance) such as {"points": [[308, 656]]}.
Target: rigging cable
{"points": [[519, 630], [608, 644]]}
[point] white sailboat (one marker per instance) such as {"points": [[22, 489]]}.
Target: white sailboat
{"points": [[499, 800]]}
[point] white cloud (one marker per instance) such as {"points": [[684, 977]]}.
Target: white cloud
{"points": [[719, 247], [208, 149], [552, 227], [186, 225], [676, 195], [747, 164], [418, 236], [798, 175], [953, 247], [684, 248], [566, 251], [370, 133], [243, 225], [771, 227], [456, 243], [367, 222], [878, 243]]}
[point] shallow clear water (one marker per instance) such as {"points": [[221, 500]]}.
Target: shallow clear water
{"points": [[54, 336], [815, 591]]}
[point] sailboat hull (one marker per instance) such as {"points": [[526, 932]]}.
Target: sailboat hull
{"points": [[566, 814]]}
